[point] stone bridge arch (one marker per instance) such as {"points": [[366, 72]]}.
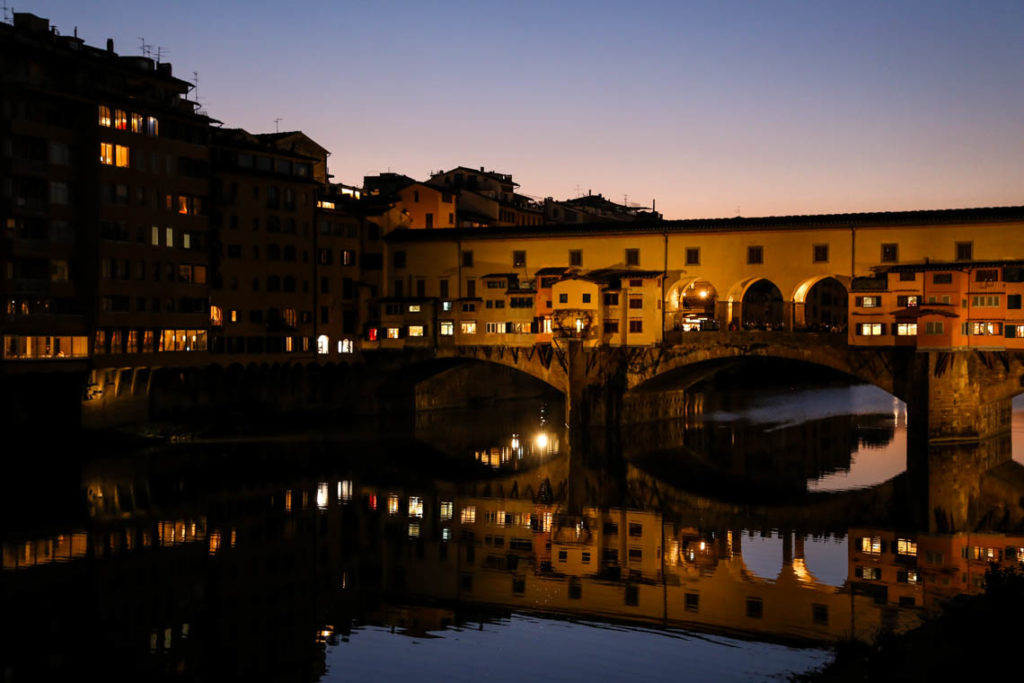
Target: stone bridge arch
{"points": [[644, 366], [547, 363]]}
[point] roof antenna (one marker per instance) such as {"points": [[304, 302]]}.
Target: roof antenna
{"points": [[277, 124], [8, 12], [739, 214], [147, 49], [160, 51]]}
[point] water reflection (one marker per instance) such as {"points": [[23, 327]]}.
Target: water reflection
{"points": [[286, 559]]}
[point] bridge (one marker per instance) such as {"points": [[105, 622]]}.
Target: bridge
{"points": [[951, 395]]}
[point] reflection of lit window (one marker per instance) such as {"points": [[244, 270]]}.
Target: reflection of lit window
{"points": [[415, 506], [372, 501], [288, 501], [499, 518], [414, 530], [904, 546], [345, 490], [447, 328], [446, 534], [392, 503], [871, 544], [468, 515], [546, 521], [447, 509], [321, 495]]}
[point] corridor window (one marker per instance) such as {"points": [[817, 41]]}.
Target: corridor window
{"points": [[890, 253], [755, 255], [693, 256], [964, 251], [820, 253]]}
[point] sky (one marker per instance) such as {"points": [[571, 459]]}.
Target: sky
{"points": [[710, 108]]}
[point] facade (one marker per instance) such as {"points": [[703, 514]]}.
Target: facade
{"points": [[951, 305], [104, 207]]}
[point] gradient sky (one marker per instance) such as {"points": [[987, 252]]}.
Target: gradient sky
{"points": [[709, 107]]}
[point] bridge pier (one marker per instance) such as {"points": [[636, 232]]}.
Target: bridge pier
{"points": [[958, 396]]}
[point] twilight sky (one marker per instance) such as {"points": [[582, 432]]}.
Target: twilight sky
{"points": [[708, 106]]}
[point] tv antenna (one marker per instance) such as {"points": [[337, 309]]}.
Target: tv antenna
{"points": [[277, 124], [8, 13], [160, 52], [147, 49]]}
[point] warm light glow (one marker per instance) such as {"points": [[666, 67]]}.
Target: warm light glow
{"points": [[321, 495], [542, 441], [392, 503]]}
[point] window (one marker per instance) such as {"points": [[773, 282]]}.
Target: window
{"points": [[986, 275], [468, 327], [985, 300], [415, 330], [870, 329], [519, 259], [447, 328], [908, 301], [394, 332], [611, 299], [755, 255], [1013, 301], [636, 325], [692, 602], [869, 573], [563, 555], [964, 251], [933, 328], [467, 259], [468, 515], [105, 119], [819, 614], [120, 156], [986, 328], [563, 298], [942, 279], [820, 253], [611, 326], [870, 544], [632, 257], [106, 154], [890, 253], [693, 257], [907, 276], [398, 258], [755, 608], [906, 329], [576, 258], [120, 119], [869, 301], [495, 328], [905, 546], [468, 307], [636, 302], [636, 529], [586, 298], [152, 126]]}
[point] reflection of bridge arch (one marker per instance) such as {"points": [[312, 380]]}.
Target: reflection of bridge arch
{"points": [[545, 363]]}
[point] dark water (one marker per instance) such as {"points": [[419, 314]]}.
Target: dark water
{"points": [[737, 543]]}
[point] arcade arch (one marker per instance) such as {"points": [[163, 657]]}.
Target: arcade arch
{"points": [[821, 303], [691, 304]]}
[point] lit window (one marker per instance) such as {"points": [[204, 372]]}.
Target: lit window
{"points": [[152, 126], [415, 330], [415, 506], [106, 154], [393, 332], [468, 515], [216, 316], [137, 123], [447, 328], [414, 308], [447, 509], [984, 329], [323, 345], [234, 315], [392, 503], [169, 234], [870, 329], [870, 301], [346, 346], [906, 329], [105, 116], [905, 546], [871, 544], [446, 306], [120, 119], [468, 327]]}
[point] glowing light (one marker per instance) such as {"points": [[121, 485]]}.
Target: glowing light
{"points": [[542, 441], [515, 442], [703, 294], [321, 495]]}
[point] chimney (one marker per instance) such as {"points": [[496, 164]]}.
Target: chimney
{"points": [[110, 45], [481, 169]]}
